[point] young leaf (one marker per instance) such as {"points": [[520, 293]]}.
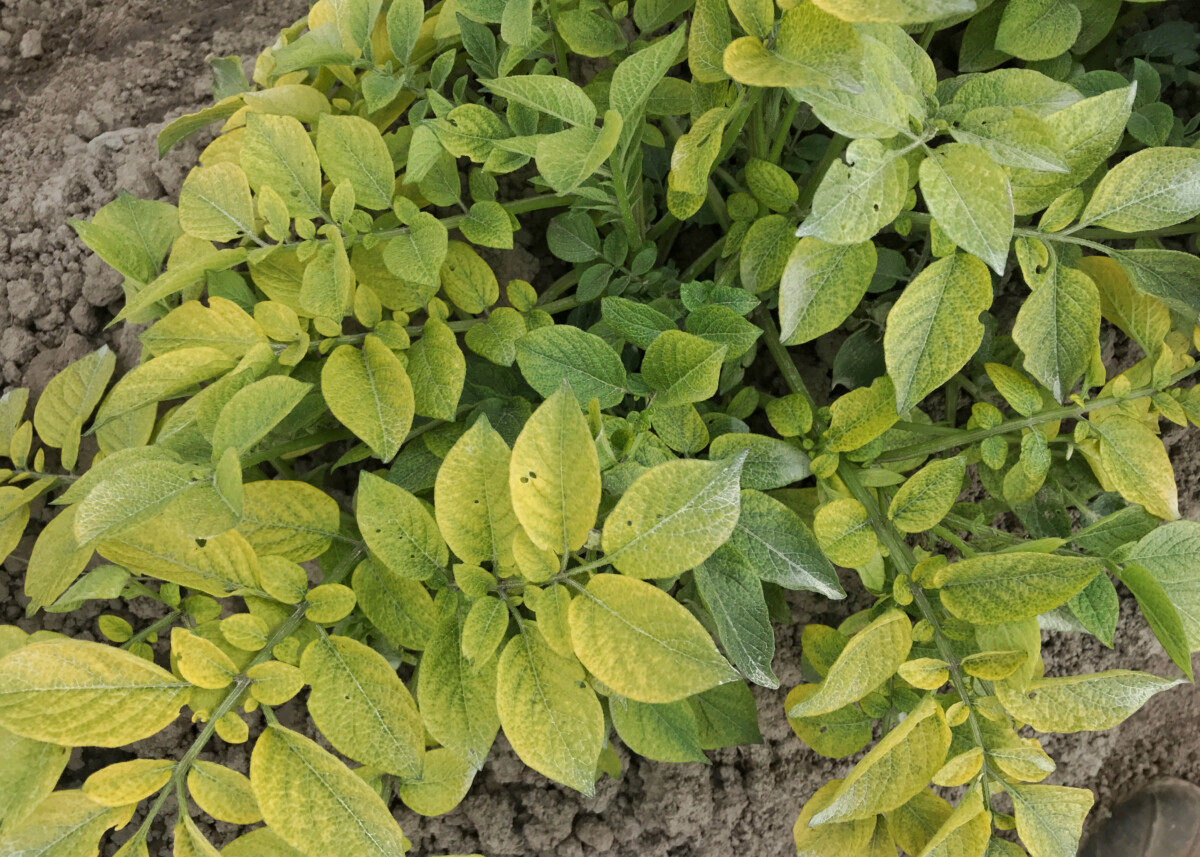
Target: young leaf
{"points": [[550, 715], [314, 802], [642, 643], [554, 475], [941, 305], [673, 517]]}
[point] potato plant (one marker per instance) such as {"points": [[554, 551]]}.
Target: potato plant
{"points": [[812, 302]]}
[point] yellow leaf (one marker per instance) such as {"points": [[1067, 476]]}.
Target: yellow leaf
{"points": [[643, 643], [200, 661], [65, 824], [1082, 703], [959, 770], [472, 502], [829, 840], [554, 475], [1137, 462], [370, 393], [223, 793], [128, 782], [925, 673], [85, 694]]}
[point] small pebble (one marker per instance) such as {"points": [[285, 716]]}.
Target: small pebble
{"points": [[31, 44]]}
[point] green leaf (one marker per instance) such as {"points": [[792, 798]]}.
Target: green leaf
{"points": [[398, 530], [1136, 462], [1168, 554], [352, 149], [1038, 29], [764, 252], [813, 48], [549, 355], [673, 517], [315, 803], [664, 733], [76, 693], [634, 322], [1151, 189], [1097, 606], [71, 396], [568, 158], [553, 96], [277, 153], [682, 368], [635, 77], [987, 590], [361, 706], [437, 370], [550, 715], [468, 280], [857, 198], [457, 698], [253, 411], [1057, 328], [399, 607], [215, 203], [1012, 137], [642, 643], [369, 392], [775, 543], [471, 497], [1164, 620], [934, 329], [417, 255], [1050, 818], [554, 475], [734, 596], [1172, 276], [927, 496], [895, 770], [969, 196], [32, 769], [1082, 703], [822, 285], [771, 185], [572, 237], [769, 462], [487, 224], [66, 824], [870, 658], [404, 18], [708, 37], [56, 559], [896, 11]]}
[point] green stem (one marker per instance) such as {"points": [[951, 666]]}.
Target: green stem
{"points": [[702, 263], [778, 351], [560, 47], [966, 438], [153, 628], [232, 698], [903, 558], [781, 134]]}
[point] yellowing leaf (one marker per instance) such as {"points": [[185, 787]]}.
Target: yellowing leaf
{"points": [[965, 833], [812, 48], [370, 393], [352, 149], [925, 673], [315, 803], [261, 842], [870, 658], [896, 11], [223, 793], [71, 396], [274, 682], [844, 533], [201, 661], [56, 559], [1151, 189], [941, 305], [960, 769], [76, 693], [253, 411], [821, 285], [549, 355], [124, 783], [642, 643], [65, 824], [993, 666], [1057, 328], [894, 770], [550, 715], [437, 369], [398, 529], [215, 203], [829, 840], [1135, 460], [861, 415], [858, 198], [554, 475], [1083, 703], [968, 195], [915, 823], [30, 773], [471, 497], [987, 590], [927, 496], [673, 517], [359, 704], [682, 368], [442, 786], [834, 735], [277, 152], [457, 697], [401, 608], [1050, 818]]}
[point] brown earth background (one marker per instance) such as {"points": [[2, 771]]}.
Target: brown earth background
{"points": [[88, 85]]}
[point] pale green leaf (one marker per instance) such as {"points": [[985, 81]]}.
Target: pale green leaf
{"points": [[398, 530], [822, 285], [369, 392], [1082, 703], [968, 195], [549, 355], [352, 149], [277, 152], [857, 198], [215, 203], [1151, 189]]}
